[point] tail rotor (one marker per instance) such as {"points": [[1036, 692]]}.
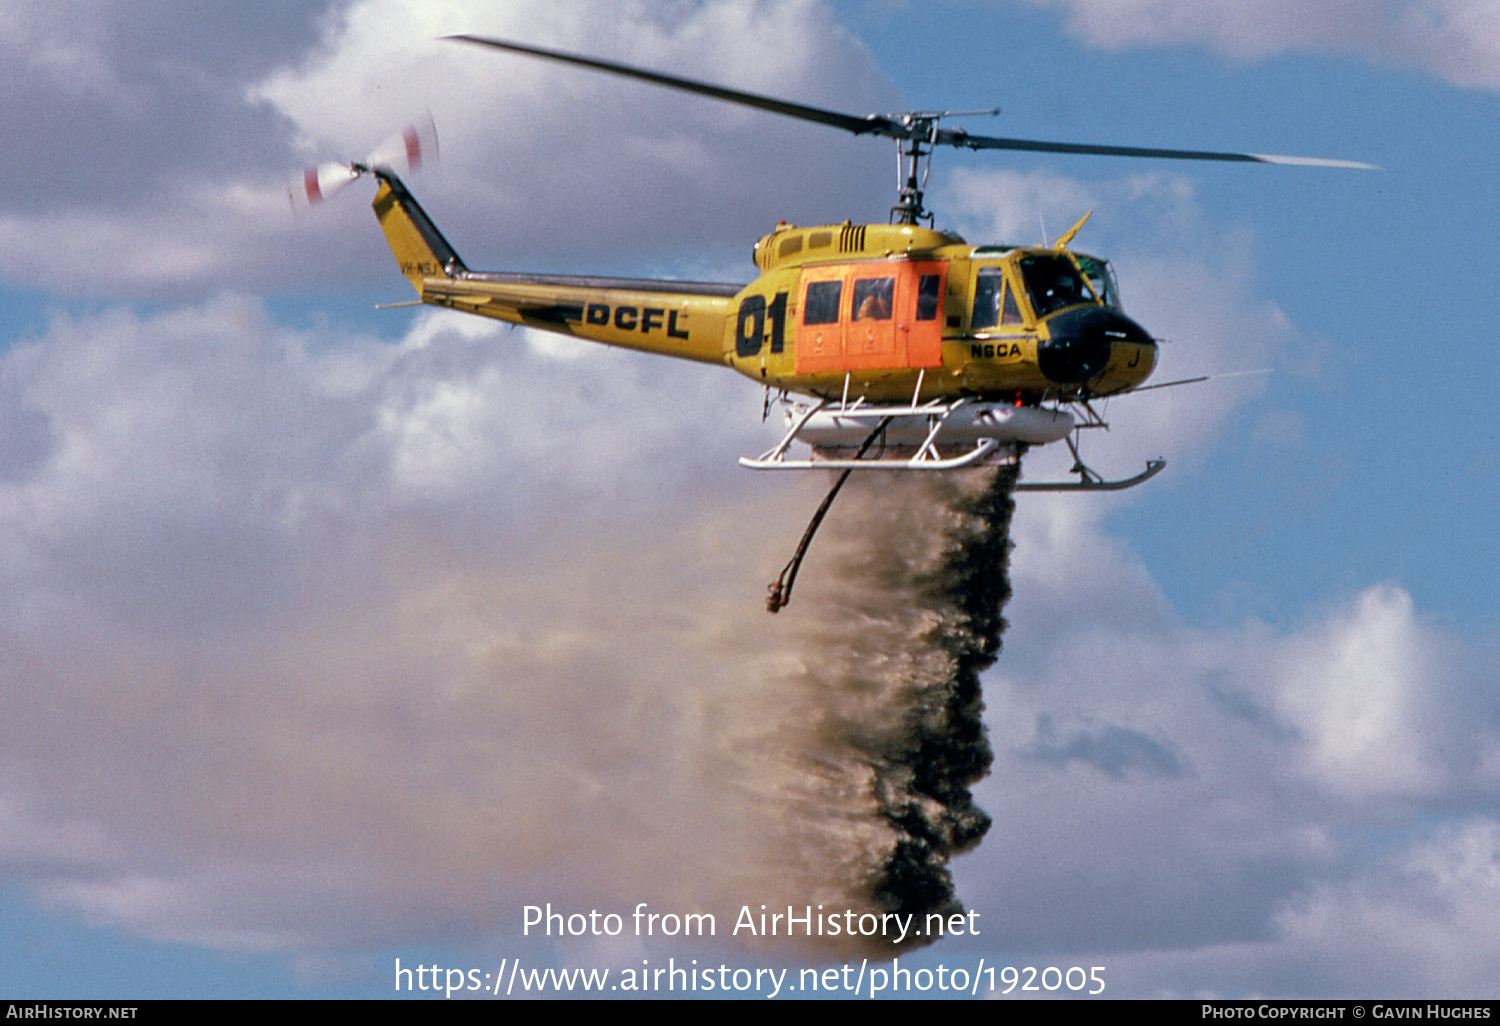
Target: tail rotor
{"points": [[404, 152]]}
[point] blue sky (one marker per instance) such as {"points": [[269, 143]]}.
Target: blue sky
{"points": [[317, 654]]}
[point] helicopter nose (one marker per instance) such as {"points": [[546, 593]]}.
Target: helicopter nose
{"points": [[1081, 342]]}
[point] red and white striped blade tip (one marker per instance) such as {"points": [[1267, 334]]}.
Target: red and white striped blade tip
{"points": [[407, 150], [319, 183]]}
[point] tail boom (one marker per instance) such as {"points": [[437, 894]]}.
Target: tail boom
{"points": [[674, 318]]}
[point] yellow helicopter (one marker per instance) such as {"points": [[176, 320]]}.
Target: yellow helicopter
{"points": [[893, 346]]}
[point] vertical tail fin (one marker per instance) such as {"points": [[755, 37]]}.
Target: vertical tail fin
{"points": [[419, 248]]}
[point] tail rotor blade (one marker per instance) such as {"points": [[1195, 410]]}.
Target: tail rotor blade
{"points": [[321, 182], [408, 150]]}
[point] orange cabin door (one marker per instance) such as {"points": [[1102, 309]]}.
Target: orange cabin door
{"points": [[870, 336], [870, 317], [920, 317], [820, 320]]}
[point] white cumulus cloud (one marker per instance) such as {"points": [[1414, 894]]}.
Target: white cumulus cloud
{"points": [[1455, 40]]}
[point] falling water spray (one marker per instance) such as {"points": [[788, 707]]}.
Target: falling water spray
{"points": [[905, 616]]}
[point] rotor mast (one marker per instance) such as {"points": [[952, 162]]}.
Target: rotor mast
{"points": [[912, 157], [914, 148]]}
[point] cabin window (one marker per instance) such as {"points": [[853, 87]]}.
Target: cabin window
{"points": [[929, 294], [1053, 282], [822, 305], [873, 298]]}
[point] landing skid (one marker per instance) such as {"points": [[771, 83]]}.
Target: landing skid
{"points": [[926, 460], [909, 437], [1088, 479]]}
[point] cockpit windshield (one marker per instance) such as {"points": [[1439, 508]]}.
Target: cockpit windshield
{"points": [[1102, 277], [1053, 282]]}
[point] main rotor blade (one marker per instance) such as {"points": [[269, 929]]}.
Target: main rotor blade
{"points": [[910, 126], [952, 137], [874, 124]]}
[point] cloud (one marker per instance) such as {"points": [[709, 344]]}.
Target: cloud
{"points": [[337, 580], [1455, 40], [171, 141], [1410, 924], [535, 145], [326, 643], [1115, 751], [1360, 699], [132, 99], [1199, 791]]}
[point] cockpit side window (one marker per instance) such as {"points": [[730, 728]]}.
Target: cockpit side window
{"points": [[993, 302], [989, 286], [1053, 282], [1010, 313]]}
